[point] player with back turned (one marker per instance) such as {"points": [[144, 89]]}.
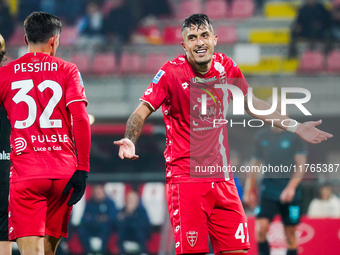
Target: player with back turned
{"points": [[280, 193], [5, 245], [200, 206], [50, 138]]}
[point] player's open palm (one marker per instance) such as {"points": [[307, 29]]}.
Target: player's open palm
{"points": [[126, 149], [308, 132]]}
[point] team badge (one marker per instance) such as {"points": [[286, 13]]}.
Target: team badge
{"points": [[192, 238]]}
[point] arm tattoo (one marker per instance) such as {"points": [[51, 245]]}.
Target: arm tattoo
{"points": [[134, 127]]}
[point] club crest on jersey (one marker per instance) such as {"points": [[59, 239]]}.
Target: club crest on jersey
{"points": [[158, 76], [192, 238]]}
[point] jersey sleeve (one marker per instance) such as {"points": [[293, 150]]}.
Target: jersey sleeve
{"points": [[236, 78], [75, 90], [158, 91]]}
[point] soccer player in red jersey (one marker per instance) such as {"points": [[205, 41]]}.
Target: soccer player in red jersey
{"points": [[200, 205], [5, 245], [50, 138]]}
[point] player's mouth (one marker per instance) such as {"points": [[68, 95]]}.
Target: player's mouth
{"points": [[200, 52]]}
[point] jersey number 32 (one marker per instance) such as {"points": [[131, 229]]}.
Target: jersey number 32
{"points": [[25, 86]]}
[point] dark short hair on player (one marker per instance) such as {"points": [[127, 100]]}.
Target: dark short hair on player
{"points": [[198, 20], [2, 49], [41, 26]]}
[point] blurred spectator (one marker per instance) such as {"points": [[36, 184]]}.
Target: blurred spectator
{"points": [[326, 206], [133, 226], [71, 10], [148, 32], [156, 7], [26, 7], [336, 21], [6, 20], [313, 23], [120, 22], [98, 221], [91, 26], [49, 6]]}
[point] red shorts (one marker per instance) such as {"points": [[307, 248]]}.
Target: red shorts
{"points": [[37, 207], [200, 210]]}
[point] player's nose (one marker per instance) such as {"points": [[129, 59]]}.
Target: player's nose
{"points": [[199, 42]]}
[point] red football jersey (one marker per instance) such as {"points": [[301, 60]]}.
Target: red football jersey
{"points": [[197, 150], [35, 90]]}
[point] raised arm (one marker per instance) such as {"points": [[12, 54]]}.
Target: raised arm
{"points": [[307, 130], [133, 130]]}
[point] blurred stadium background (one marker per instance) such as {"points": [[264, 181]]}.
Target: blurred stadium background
{"points": [[128, 42]]}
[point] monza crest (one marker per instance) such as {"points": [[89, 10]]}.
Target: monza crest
{"points": [[192, 238]]}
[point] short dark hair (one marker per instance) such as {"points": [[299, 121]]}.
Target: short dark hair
{"points": [[198, 19], [41, 26], [2, 49]]}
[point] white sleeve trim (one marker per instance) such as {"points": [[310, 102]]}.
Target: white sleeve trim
{"points": [[148, 104], [78, 100]]}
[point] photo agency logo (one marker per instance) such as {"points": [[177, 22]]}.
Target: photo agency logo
{"points": [[213, 105]]}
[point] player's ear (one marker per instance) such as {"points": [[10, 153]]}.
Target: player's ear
{"points": [[52, 41], [184, 46], [215, 39], [26, 41]]}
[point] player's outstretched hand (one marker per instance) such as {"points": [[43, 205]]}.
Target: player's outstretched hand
{"points": [[78, 183], [308, 132], [126, 149]]}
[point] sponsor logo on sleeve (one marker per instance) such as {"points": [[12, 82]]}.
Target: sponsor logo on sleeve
{"points": [[81, 80], [158, 76]]}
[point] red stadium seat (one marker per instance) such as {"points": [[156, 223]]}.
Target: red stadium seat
{"points": [[82, 61], [17, 38], [311, 62], [242, 9], [130, 63], [154, 243], [216, 9], [104, 64], [172, 35], [154, 62], [226, 34], [333, 62], [69, 36], [188, 7]]}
